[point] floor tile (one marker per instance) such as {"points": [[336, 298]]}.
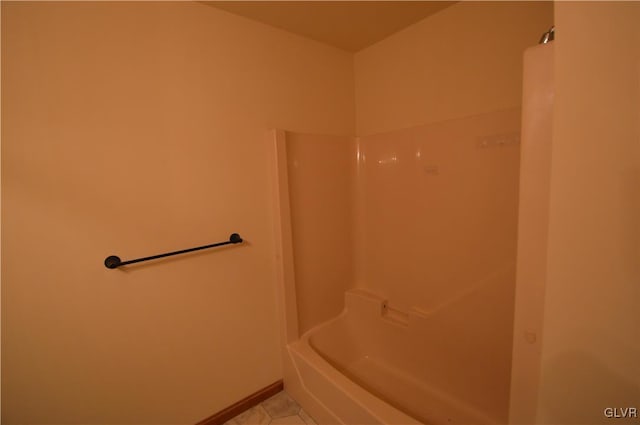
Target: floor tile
{"points": [[288, 420], [281, 405], [254, 416]]}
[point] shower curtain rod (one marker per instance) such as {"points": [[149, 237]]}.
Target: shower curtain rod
{"points": [[113, 261]]}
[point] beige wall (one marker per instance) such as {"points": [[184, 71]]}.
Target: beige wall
{"points": [[131, 129], [591, 347], [464, 60]]}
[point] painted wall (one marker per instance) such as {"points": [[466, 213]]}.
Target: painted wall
{"points": [[462, 61], [590, 348], [134, 129]]}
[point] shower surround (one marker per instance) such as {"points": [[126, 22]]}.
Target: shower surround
{"points": [[397, 260]]}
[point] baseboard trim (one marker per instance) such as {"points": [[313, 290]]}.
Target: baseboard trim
{"points": [[245, 404]]}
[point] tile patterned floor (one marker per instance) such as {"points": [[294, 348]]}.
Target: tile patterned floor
{"points": [[277, 410]]}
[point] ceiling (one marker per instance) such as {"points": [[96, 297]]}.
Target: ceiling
{"points": [[348, 25]]}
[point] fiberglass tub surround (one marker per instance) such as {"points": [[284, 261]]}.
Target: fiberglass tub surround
{"points": [[416, 230]]}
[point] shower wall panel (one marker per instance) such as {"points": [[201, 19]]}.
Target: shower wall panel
{"points": [[439, 216], [533, 226], [320, 170]]}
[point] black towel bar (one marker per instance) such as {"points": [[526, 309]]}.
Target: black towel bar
{"points": [[114, 261]]}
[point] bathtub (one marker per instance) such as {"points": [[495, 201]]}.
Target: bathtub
{"points": [[368, 366], [349, 355]]}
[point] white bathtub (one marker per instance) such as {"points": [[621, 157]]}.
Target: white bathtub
{"points": [[374, 365]]}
